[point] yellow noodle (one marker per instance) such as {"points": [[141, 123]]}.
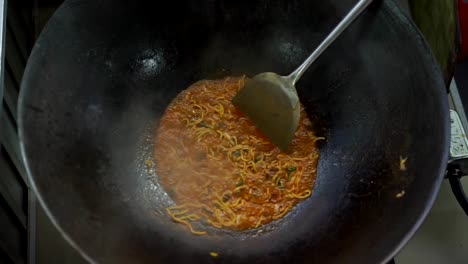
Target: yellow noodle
{"points": [[215, 142]]}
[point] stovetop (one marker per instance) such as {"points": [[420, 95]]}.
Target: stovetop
{"points": [[443, 237]]}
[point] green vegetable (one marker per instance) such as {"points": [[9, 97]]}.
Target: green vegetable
{"points": [[280, 184], [257, 159], [226, 198], [240, 183], [290, 170], [236, 154]]}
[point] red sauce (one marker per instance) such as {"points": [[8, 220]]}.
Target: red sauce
{"points": [[220, 170]]}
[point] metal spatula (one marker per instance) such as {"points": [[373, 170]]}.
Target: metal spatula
{"points": [[271, 100]]}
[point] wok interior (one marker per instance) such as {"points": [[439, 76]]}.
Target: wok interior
{"points": [[98, 82]]}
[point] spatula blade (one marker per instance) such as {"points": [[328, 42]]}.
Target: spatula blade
{"points": [[271, 102]]}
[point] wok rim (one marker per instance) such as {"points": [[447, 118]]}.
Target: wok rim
{"points": [[393, 9]]}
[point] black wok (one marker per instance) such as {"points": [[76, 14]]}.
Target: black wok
{"points": [[103, 71]]}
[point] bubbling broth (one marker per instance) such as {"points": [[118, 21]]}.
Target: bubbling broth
{"points": [[218, 167]]}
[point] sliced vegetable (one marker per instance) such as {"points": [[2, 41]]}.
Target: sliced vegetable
{"points": [[203, 125], [236, 154]]}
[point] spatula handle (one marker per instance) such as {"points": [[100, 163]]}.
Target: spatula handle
{"points": [[342, 26]]}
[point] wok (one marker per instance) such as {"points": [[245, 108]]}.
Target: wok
{"points": [[102, 73]]}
